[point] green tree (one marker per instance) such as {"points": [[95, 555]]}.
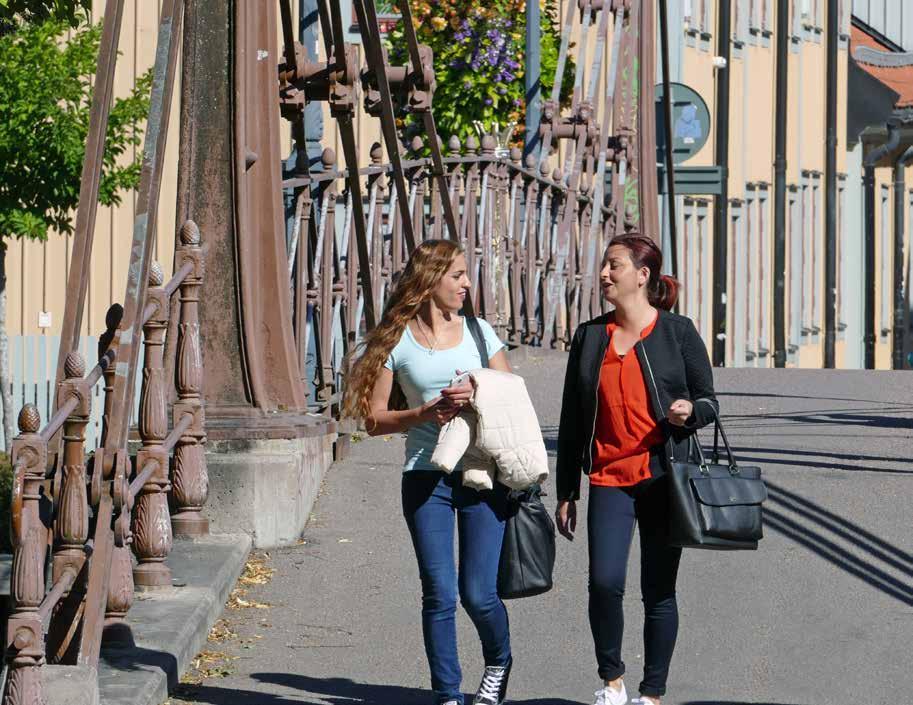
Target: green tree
{"points": [[15, 12], [45, 100]]}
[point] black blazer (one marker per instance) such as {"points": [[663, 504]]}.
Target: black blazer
{"points": [[675, 365]]}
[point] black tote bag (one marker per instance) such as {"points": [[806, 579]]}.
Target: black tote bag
{"points": [[715, 505], [528, 551]]}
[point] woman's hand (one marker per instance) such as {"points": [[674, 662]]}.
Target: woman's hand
{"points": [[439, 410], [566, 518], [461, 394], [680, 411]]}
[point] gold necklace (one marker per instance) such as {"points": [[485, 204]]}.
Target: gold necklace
{"points": [[421, 327]]}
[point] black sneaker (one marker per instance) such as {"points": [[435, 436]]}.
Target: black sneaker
{"points": [[493, 687]]}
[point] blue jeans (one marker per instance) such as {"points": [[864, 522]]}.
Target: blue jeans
{"points": [[430, 500], [610, 522]]}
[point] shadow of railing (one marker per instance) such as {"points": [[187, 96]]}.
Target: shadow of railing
{"points": [[327, 691], [880, 554]]}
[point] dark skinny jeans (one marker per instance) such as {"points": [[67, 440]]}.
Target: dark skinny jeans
{"points": [[610, 522]]}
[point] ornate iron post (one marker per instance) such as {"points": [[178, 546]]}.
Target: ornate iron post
{"points": [[151, 522], [190, 484], [24, 633]]}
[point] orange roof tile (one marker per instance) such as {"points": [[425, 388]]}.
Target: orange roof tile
{"points": [[898, 79]]}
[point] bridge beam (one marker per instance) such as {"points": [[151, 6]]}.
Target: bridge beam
{"points": [[266, 454]]}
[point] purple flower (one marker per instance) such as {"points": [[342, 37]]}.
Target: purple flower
{"points": [[467, 85], [502, 90], [517, 102], [488, 101], [493, 34]]}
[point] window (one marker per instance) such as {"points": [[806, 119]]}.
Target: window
{"points": [[795, 271], [697, 16], [885, 261], [817, 253], [811, 19], [795, 22], [740, 26], [751, 285], [690, 262], [841, 248], [703, 254], [695, 261], [844, 10], [737, 285], [805, 233], [759, 20], [764, 279]]}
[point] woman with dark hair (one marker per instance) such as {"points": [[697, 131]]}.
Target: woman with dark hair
{"points": [[638, 385], [401, 381]]}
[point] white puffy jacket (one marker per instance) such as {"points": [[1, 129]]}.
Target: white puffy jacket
{"points": [[499, 433]]}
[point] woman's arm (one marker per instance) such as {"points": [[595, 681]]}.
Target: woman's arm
{"points": [[383, 421], [499, 361], [568, 470], [699, 376]]}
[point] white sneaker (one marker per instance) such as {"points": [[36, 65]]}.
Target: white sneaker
{"points": [[610, 696], [643, 700], [451, 702]]}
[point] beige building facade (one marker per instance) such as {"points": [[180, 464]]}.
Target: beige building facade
{"points": [[38, 271]]}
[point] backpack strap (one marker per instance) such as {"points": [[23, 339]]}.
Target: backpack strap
{"points": [[476, 331]]}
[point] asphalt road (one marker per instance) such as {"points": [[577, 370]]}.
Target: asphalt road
{"points": [[821, 614]]}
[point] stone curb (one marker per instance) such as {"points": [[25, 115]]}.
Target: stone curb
{"points": [[170, 626]]}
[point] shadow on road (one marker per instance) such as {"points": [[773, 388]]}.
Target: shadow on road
{"points": [[744, 455], [729, 702], [784, 507], [328, 691]]}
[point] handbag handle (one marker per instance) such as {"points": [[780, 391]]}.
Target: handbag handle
{"points": [[719, 431], [694, 445]]}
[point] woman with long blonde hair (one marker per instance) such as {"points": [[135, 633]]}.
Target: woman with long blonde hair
{"points": [[421, 344]]}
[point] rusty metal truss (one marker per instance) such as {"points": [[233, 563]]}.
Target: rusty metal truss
{"points": [[533, 232]]}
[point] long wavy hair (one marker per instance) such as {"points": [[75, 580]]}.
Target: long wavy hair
{"points": [[429, 263]]}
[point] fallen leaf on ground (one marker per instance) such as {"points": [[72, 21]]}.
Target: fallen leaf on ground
{"points": [[256, 572], [220, 632], [236, 601]]}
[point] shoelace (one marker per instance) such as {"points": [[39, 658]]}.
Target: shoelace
{"points": [[490, 687]]}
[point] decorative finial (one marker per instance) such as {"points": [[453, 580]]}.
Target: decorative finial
{"points": [[453, 144], [75, 366], [190, 233], [377, 153], [530, 161], [328, 158], [156, 275], [29, 419]]}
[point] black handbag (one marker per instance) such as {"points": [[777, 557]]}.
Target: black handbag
{"points": [[528, 551], [715, 505]]}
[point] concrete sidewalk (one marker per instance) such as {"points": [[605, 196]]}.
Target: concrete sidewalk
{"points": [[822, 614]]}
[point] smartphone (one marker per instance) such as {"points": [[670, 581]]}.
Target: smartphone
{"points": [[460, 380]]}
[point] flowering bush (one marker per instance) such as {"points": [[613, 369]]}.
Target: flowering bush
{"points": [[479, 61]]}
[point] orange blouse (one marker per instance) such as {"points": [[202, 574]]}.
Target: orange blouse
{"points": [[625, 428]]}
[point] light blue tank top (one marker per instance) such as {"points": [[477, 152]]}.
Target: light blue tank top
{"points": [[422, 374]]}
